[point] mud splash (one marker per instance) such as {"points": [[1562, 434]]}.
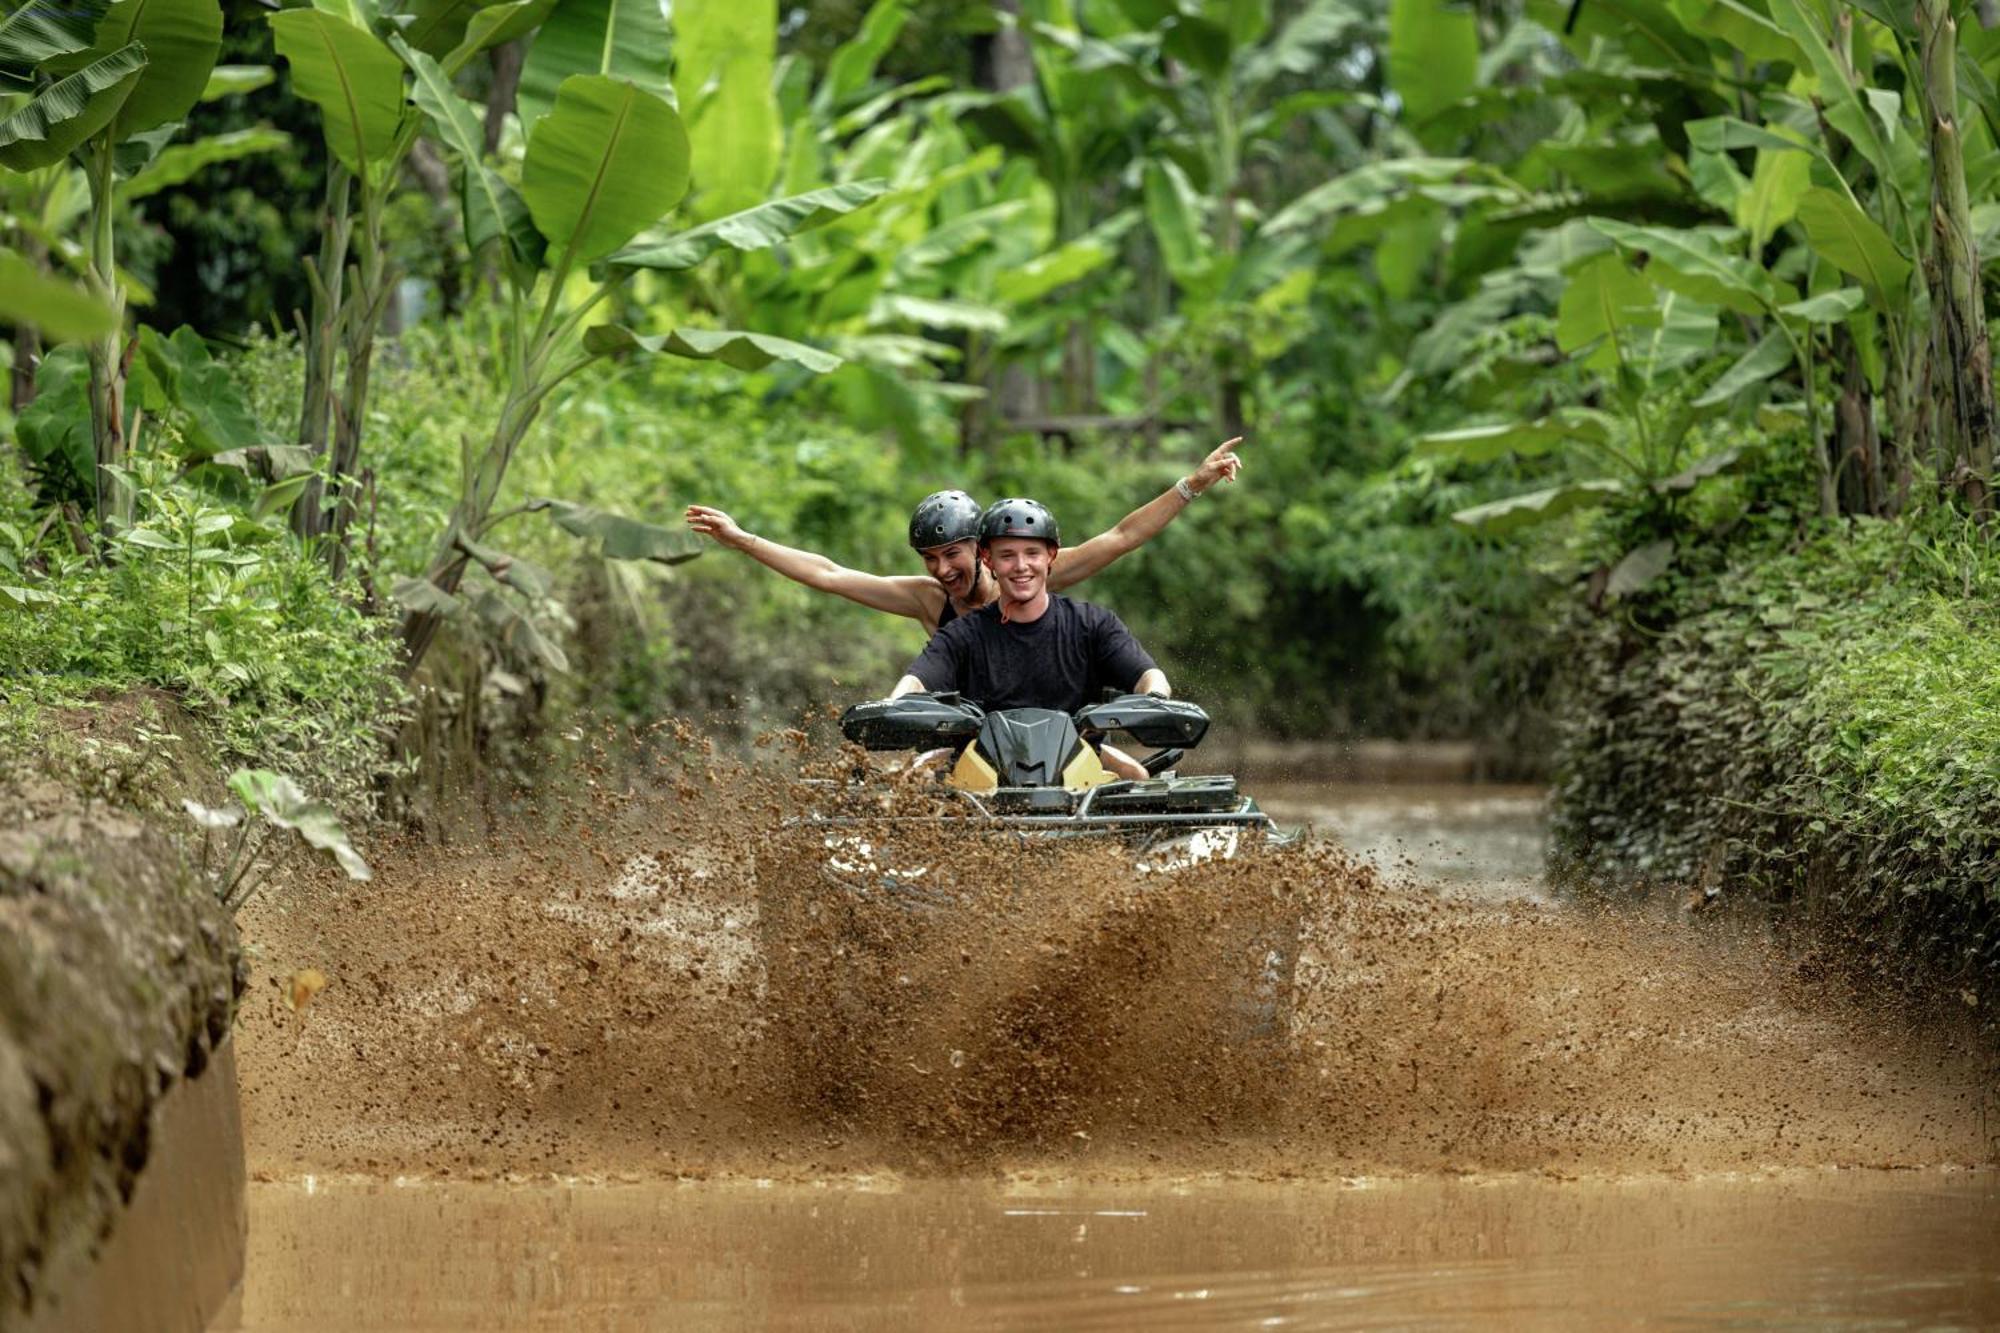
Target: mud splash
{"points": [[668, 985]]}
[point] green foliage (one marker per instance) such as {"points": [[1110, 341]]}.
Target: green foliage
{"points": [[213, 604], [1810, 724]]}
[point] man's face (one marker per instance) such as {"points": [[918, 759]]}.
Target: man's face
{"points": [[1021, 564], [954, 565]]}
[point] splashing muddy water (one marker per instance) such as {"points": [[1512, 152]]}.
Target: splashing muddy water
{"points": [[654, 990], [674, 985]]}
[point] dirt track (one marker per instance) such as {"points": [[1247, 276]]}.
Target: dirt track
{"points": [[593, 997]]}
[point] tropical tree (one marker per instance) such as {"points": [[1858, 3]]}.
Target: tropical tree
{"points": [[109, 84]]}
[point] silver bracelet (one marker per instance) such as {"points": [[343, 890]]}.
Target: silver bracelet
{"points": [[1187, 492]]}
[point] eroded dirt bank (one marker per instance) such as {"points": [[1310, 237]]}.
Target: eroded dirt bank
{"points": [[664, 985], [117, 980]]}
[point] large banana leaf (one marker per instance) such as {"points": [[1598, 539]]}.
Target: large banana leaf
{"points": [[1604, 307], [1500, 517], [723, 57], [463, 28], [603, 165], [619, 537], [61, 116], [1701, 265], [854, 61], [756, 228], [626, 38], [491, 206], [43, 29], [354, 80], [732, 347], [1857, 244], [182, 39], [178, 163], [60, 309], [1433, 55]]}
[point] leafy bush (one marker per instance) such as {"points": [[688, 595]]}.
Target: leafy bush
{"points": [[1815, 725], [205, 600]]}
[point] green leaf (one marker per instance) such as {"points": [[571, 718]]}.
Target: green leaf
{"points": [[1639, 567], [1603, 306], [43, 29], [437, 26], [1726, 460], [603, 165], [1777, 184], [182, 39], [627, 39], [1197, 43], [490, 206], [496, 25], [1828, 307], [1697, 264], [177, 373], [53, 431], [723, 60], [1296, 48], [518, 632], [732, 347], [59, 308], [621, 538], [1500, 517], [425, 598], [1043, 274], [1844, 107], [756, 228], [1378, 183], [279, 800], [1772, 354], [1174, 210], [234, 80], [523, 576], [354, 80], [178, 163], [1433, 55], [936, 313], [52, 123], [1522, 439], [853, 63], [1857, 244], [1739, 28]]}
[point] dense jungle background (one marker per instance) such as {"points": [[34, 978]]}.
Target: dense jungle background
{"points": [[1615, 378]]}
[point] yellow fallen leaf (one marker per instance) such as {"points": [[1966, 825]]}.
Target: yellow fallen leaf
{"points": [[306, 983]]}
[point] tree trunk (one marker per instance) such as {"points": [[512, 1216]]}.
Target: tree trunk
{"points": [[1857, 447], [500, 94], [1961, 352], [320, 339]]}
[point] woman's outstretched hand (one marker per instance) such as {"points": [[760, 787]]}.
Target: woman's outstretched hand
{"points": [[717, 526], [1222, 464]]}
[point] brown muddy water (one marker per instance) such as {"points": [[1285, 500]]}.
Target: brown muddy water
{"points": [[639, 1069]]}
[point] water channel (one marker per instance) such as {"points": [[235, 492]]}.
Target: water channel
{"points": [[1585, 1239]]}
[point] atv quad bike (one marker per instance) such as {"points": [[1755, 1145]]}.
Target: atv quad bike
{"points": [[946, 972], [1039, 771]]}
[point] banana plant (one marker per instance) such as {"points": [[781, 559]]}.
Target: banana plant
{"points": [[344, 66], [109, 84], [604, 165]]}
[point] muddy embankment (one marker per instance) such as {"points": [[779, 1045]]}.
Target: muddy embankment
{"points": [[668, 983], [118, 982]]}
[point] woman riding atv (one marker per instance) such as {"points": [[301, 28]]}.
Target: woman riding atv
{"points": [[944, 531]]}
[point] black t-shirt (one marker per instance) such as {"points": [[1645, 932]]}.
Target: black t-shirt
{"points": [[1064, 659]]}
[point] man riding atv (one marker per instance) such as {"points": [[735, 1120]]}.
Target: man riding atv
{"points": [[944, 530], [1029, 648]]}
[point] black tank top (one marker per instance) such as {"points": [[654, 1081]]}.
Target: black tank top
{"points": [[949, 614]]}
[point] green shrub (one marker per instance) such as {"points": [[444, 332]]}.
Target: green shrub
{"points": [[1814, 724]]}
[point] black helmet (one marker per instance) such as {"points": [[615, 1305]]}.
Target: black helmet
{"points": [[1018, 518], [943, 518]]}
